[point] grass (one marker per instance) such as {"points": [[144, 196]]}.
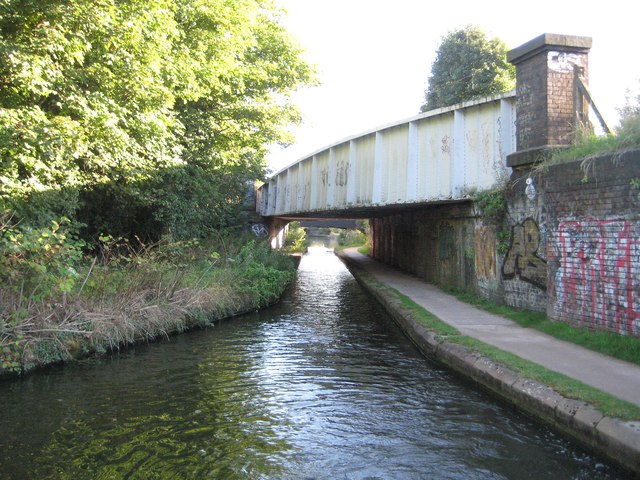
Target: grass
{"points": [[564, 385], [134, 297], [361, 248], [590, 145], [351, 238], [617, 346], [415, 311]]}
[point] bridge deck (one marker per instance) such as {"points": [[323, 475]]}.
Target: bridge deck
{"points": [[438, 156]]}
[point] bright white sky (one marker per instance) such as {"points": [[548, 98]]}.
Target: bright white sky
{"points": [[374, 56]]}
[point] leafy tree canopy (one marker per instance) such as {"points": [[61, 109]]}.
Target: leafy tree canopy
{"points": [[468, 65], [96, 92]]}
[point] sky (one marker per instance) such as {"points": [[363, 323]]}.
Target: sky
{"points": [[373, 57]]}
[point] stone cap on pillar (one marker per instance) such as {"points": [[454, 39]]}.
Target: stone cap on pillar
{"points": [[549, 41]]}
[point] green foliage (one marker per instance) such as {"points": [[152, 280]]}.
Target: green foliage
{"points": [[83, 93], [119, 210], [504, 239], [193, 202], [141, 122], [630, 117], [492, 204], [467, 66], [590, 146], [38, 263], [11, 352], [131, 293], [266, 273], [180, 202], [38, 266], [103, 105], [352, 238], [295, 240], [626, 136]]}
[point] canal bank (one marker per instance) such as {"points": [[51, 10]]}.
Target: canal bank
{"points": [[127, 301], [322, 385], [616, 439]]}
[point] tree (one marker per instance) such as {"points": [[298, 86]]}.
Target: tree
{"points": [[105, 103], [467, 66], [630, 113], [82, 97]]}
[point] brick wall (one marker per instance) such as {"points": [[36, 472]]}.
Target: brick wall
{"points": [[523, 266], [532, 125], [594, 243], [546, 104], [545, 101], [435, 243], [562, 126], [573, 250]]}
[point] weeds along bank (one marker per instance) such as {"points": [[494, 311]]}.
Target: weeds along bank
{"points": [[141, 120], [58, 303]]}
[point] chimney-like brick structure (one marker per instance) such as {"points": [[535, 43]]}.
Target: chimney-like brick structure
{"points": [[547, 107]]}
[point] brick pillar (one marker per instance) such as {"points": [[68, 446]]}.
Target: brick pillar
{"points": [[547, 109]]}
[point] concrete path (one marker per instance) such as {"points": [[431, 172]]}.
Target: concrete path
{"points": [[619, 378]]}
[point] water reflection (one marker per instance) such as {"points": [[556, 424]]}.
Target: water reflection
{"points": [[321, 386]]}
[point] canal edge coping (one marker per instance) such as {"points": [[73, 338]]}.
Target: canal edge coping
{"points": [[615, 439]]}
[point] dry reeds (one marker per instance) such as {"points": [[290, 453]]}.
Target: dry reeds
{"points": [[126, 300]]}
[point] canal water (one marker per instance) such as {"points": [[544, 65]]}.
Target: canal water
{"points": [[321, 386]]}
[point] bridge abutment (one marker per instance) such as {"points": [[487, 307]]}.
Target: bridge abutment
{"points": [[568, 246], [434, 243], [565, 241], [277, 232]]}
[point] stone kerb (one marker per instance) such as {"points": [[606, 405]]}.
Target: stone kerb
{"points": [[616, 439]]}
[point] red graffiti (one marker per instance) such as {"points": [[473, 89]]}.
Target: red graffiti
{"points": [[597, 278]]}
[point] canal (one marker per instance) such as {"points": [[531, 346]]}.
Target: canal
{"points": [[321, 386]]}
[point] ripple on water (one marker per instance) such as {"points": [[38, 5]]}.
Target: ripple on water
{"points": [[322, 385]]}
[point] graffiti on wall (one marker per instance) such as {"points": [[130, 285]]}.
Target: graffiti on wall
{"points": [[598, 278], [484, 243], [324, 176], [342, 174], [259, 229], [522, 259]]}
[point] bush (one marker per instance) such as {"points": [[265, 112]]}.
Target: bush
{"points": [[627, 136], [296, 238], [39, 263], [492, 204], [265, 272], [352, 238], [180, 203], [54, 305], [629, 129]]}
